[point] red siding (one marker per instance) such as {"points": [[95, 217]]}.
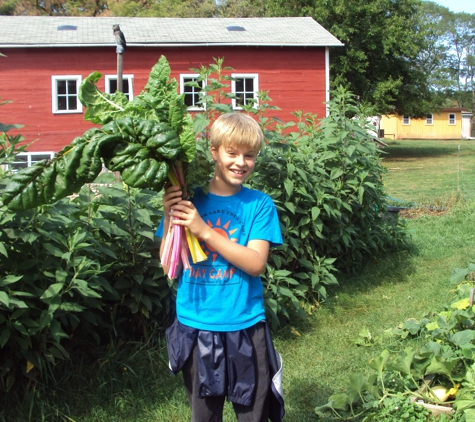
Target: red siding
{"points": [[294, 77]]}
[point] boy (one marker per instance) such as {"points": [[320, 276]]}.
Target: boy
{"points": [[220, 340]]}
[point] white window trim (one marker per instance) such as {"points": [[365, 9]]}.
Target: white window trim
{"points": [[455, 119], [408, 120], [130, 78], [54, 93], [30, 157], [254, 76], [182, 88], [430, 120]]}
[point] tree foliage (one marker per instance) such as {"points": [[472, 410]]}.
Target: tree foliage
{"points": [[379, 60], [448, 57]]}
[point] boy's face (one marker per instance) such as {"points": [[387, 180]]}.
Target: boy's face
{"points": [[233, 165]]}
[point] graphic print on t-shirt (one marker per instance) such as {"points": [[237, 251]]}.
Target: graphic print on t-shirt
{"points": [[216, 270]]}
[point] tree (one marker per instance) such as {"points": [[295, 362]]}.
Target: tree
{"points": [[241, 8], [7, 8], [379, 60], [460, 37], [449, 56], [54, 7], [163, 8]]}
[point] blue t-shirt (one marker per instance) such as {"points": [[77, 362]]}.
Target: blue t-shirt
{"points": [[215, 295]]}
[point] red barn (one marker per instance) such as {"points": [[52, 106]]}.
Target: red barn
{"points": [[48, 57]]}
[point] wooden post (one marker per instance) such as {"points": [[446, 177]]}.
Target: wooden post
{"points": [[120, 87]]}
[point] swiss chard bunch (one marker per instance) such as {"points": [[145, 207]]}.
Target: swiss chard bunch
{"points": [[149, 140]]}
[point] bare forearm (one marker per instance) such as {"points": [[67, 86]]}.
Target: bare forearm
{"points": [[251, 259]]}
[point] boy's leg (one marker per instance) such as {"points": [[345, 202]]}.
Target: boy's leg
{"points": [[259, 410], [208, 409]]}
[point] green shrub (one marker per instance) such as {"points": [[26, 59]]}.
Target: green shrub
{"points": [[81, 267], [326, 180]]}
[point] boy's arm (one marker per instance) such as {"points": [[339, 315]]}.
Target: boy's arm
{"points": [[251, 258]]}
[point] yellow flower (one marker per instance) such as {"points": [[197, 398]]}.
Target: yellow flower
{"points": [[454, 390]]}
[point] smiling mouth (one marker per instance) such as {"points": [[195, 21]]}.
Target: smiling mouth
{"points": [[238, 171]]}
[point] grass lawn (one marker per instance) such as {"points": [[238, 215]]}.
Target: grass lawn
{"points": [[131, 382], [430, 172]]}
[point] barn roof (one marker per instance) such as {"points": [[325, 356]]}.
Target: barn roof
{"points": [[48, 31]]}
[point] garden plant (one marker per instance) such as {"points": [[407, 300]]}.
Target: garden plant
{"points": [[440, 372]]}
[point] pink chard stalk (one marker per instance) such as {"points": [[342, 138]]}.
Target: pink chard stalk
{"points": [[179, 239]]}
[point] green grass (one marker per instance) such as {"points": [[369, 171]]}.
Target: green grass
{"points": [[430, 172], [131, 382]]}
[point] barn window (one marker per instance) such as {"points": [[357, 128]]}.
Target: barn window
{"points": [[65, 94], [191, 86], [406, 120], [429, 119], [27, 159], [245, 88], [452, 119], [127, 85]]}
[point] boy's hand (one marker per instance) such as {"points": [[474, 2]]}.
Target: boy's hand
{"points": [[189, 217], [172, 196]]}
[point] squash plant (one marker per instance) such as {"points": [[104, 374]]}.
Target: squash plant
{"points": [[441, 371]]}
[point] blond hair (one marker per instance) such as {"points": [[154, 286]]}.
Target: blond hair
{"points": [[236, 129]]}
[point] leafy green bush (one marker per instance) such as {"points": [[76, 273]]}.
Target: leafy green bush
{"points": [[82, 267], [326, 180], [89, 265]]}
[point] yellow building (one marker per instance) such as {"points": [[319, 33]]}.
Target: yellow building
{"points": [[450, 123]]}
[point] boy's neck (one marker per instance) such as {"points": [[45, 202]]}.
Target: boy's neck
{"points": [[216, 187]]}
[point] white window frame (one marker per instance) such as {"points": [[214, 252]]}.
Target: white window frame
{"points": [[130, 80], [255, 91], [184, 76], [454, 120], [30, 158], [54, 92], [406, 120], [430, 119]]}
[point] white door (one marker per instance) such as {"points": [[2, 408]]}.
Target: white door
{"points": [[466, 125]]}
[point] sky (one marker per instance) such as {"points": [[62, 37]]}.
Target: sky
{"points": [[457, 6]]}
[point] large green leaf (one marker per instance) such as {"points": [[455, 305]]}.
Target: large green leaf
{"points": [[4, 299], [100, 106], [139, 139], [52, 290], [403, 362]]}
